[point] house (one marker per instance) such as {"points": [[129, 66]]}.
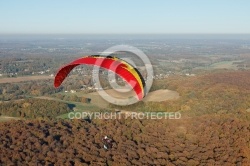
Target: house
{"points": [[190, 74], [72, 91]]}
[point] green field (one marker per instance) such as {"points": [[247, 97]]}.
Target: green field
{"points": [[96, 99], [220, 65], [77, 106], [224, 65]]}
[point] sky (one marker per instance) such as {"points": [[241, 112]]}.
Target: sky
{"points": [[125, 17]]}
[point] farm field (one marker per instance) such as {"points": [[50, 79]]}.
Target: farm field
{"points": [[161, 95], [25, 78], [155, 96], [7, 118]]}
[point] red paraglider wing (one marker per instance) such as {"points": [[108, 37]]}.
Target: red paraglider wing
{"points": [[120, 67]]}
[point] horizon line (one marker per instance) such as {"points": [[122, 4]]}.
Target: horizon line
{"points": [[124, 33]]}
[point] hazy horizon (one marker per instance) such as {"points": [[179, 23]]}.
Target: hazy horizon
{"points": [[127, 17], [126, 36]]}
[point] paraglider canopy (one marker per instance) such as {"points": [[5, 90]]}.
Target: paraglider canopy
{"points": [[122, 68]]}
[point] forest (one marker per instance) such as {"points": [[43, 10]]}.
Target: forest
{"points": [[205, 140]]}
